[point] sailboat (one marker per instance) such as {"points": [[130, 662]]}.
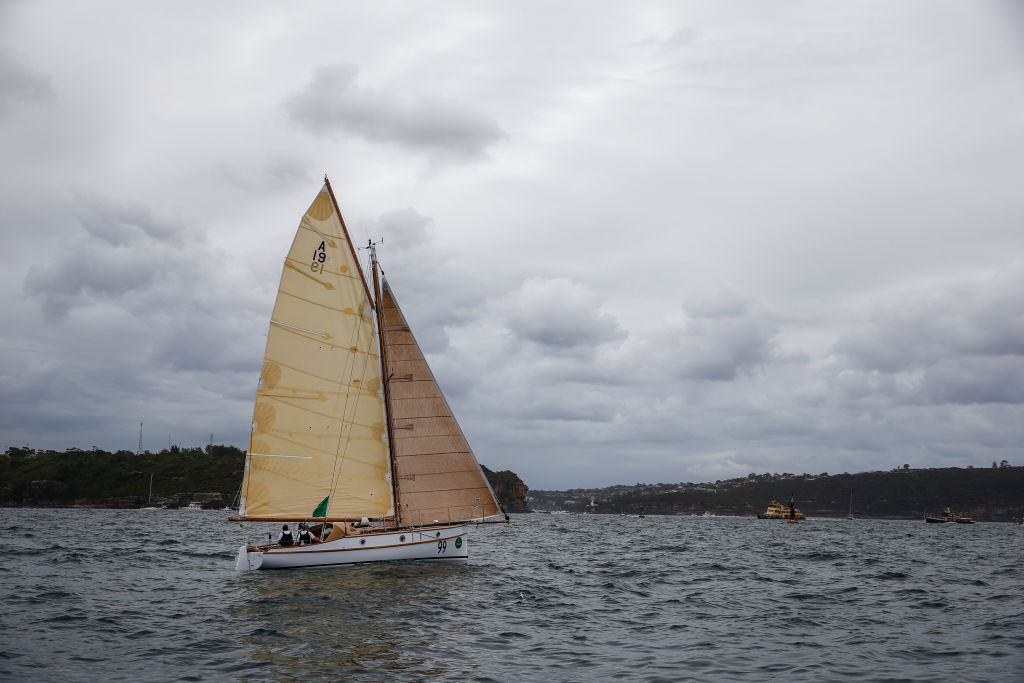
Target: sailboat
{"points": [[149, 498], [351, 435], [849, 515]]}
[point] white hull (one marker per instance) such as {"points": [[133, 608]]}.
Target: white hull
{"points": [[448, 544]]}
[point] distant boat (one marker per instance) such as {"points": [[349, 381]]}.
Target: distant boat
{"points": [[947, 516], [350, 430], [149, 498], [193, 506], [849, 515], [777, 510]]}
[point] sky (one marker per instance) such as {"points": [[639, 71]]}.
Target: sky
{"points": [[638, 242]]}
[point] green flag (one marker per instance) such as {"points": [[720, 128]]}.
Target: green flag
{"points": [[321, 509]]}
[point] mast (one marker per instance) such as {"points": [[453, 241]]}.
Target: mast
{"points": [[386, 383]]}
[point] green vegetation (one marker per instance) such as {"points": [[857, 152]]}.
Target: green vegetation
{"points": [[986, 494], [121, 479]]}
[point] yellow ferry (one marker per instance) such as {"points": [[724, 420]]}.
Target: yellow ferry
{"points": [[777, 510]]}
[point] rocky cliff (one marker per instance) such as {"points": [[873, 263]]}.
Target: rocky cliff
{"points": [[509, 488]]}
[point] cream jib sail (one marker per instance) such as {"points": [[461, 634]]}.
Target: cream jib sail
{"points": [[324, 416]]}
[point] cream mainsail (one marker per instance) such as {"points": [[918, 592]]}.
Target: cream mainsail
{"points": [[319, 425], [439, 479]]}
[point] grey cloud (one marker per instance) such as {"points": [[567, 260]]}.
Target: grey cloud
{"points": [[407, 229], [975, 380], [19, 84], [586, 405], [76, 278], [123, 224], [723, 351], [448, 130], [126, 249], [434, 289], [273, 174], [560, 315], [210, 343], [917, 330], [722, 338], [725, 303], [960, 343], [28, 381], [836, 171]]}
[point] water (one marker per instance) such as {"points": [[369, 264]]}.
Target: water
{"points": [[129, 595]]}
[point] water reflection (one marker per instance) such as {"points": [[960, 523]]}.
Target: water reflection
{"points": [[344, 622]]}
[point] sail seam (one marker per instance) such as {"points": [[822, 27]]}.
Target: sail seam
{"points": [[343, 420], [312, 448], [317, 304], [302, 267], [331, 344], [311, 374]]}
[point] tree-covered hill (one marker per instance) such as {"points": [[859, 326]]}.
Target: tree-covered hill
{"points": [[987, 494], [121, 479], [210, 475]]}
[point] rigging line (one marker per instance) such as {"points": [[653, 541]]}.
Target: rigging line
{"points": [[355, 408], [341, 449], [338, 452]]}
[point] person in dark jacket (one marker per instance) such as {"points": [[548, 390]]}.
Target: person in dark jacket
{"points": [[285, 537]]}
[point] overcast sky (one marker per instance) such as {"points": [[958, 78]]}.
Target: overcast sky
{"points": [[659, 241]]}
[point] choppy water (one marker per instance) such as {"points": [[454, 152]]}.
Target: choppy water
{"points": [[152, 595]]}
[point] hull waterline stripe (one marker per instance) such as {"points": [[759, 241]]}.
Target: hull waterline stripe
{"points": [[339, 564]]}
